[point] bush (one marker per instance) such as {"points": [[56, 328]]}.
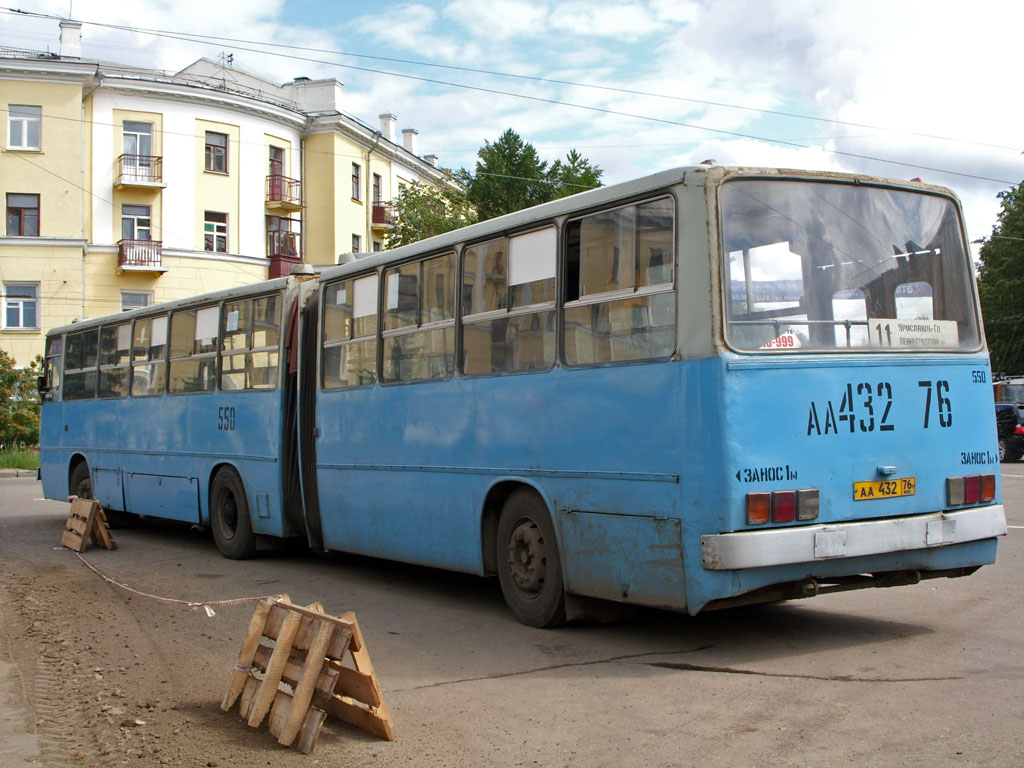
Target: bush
{"points": [[19, 403]]}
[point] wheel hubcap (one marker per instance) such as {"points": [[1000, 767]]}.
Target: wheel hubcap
{"points": [[230, 514], [527, 557]]}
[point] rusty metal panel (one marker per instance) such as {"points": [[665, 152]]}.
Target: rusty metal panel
{"points": [[628, 558]]}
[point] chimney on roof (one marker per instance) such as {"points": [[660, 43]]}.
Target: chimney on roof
{"points": [[409, 139], [71, 39], [431, 159], [387, 126]]}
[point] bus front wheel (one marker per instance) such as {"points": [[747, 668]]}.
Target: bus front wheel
{"points": [[529, 567], [80, 484], [229, 516]]}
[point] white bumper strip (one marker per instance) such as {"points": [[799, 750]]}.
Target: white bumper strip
{"points": [[808, 543]]}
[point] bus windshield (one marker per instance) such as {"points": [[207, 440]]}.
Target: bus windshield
{"points": [[837, 266]]}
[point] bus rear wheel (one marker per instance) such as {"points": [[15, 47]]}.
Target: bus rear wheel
{"points": [[229, 516], [529, 567]]}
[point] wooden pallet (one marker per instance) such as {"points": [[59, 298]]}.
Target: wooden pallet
{"points": [[86, 520], [293, 665]]}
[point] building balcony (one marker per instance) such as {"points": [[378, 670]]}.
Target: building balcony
{"points": [[383, 216], [139, 171], [283, 194], [140, 255], [284, 249]]}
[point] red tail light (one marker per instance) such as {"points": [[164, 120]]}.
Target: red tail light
{"points": [[972, 489], [783, 506], [1019, 430]]}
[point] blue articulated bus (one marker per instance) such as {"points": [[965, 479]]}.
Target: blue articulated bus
{"points": [[707, 387]]}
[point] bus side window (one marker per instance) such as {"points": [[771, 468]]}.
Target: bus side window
{"points": [[419, 320], [54, 365], [149, 352], [80, 365], [349, 356], [508, 311], [194, 349], [115, 354], [250, 343], [619, 292]]}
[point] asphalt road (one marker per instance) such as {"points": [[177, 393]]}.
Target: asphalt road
{"points": [[927, 675]]}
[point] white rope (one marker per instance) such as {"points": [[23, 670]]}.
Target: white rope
{"points": [[195, 605]]}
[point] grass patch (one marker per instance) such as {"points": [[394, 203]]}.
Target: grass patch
{"points": [[19, 458]]}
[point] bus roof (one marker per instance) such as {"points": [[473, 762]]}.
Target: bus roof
{"points": [[241, 291], [594, 198]]}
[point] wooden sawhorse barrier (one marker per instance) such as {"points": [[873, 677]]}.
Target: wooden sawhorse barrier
{"points": [[292, 666], [86, 520]]}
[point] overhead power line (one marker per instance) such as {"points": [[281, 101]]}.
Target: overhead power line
{"points": [[196, 37], [540, 99]]}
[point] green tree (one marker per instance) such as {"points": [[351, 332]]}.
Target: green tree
{"points": [[576, 174], [1001, 284], [19, 404], [425, 210], [509, 176]]}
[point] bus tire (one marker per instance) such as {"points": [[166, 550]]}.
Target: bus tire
{"points": [[80, 484], [229, 516], [528, 564]]}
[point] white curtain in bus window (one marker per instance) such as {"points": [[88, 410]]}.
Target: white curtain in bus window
{"points": [[194, 350], [149, 347], [531, 267], [80, 373], [422, 348], [508, 304], [620, 300], [115, 358]]}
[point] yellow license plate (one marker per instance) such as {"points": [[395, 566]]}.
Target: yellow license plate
{"points": [[884, 489]]}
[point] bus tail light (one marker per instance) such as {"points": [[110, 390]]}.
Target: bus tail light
{"points": [[782, 506], [759, 508], [972, 489], [807, 504]]}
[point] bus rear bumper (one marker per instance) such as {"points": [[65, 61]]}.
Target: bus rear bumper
{"points": [[815, 543]]}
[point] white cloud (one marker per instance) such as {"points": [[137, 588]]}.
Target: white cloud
{"points": [[498, 19]]}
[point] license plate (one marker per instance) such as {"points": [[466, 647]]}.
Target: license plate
{"points": [[884, 489]]}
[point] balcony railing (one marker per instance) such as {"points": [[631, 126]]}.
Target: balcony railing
{"points": [[283, 192], [284, 249], [139, 253], [383, 215], [140, 169]]}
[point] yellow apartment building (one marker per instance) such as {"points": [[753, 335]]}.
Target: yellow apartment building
{"points": [[124, 186]]}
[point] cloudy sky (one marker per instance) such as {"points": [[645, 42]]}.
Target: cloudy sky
{"points": [[896, 88]]}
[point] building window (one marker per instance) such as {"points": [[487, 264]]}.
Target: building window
{"points": [[357, 175], [216, 152], [377, 188], [378, 246], [357, 243], [135, 300], [215, 229], [136, 223], [21, 306], [24, 127], [23, 215]]}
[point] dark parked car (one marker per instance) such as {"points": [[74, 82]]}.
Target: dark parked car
{"points": [[1010, 426]]}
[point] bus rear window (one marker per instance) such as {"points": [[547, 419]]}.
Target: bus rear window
{"points": [[830, 266]]}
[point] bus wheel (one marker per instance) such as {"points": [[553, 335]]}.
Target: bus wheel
{"points": [[529, 568], [229, 516], [80, 484]]}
